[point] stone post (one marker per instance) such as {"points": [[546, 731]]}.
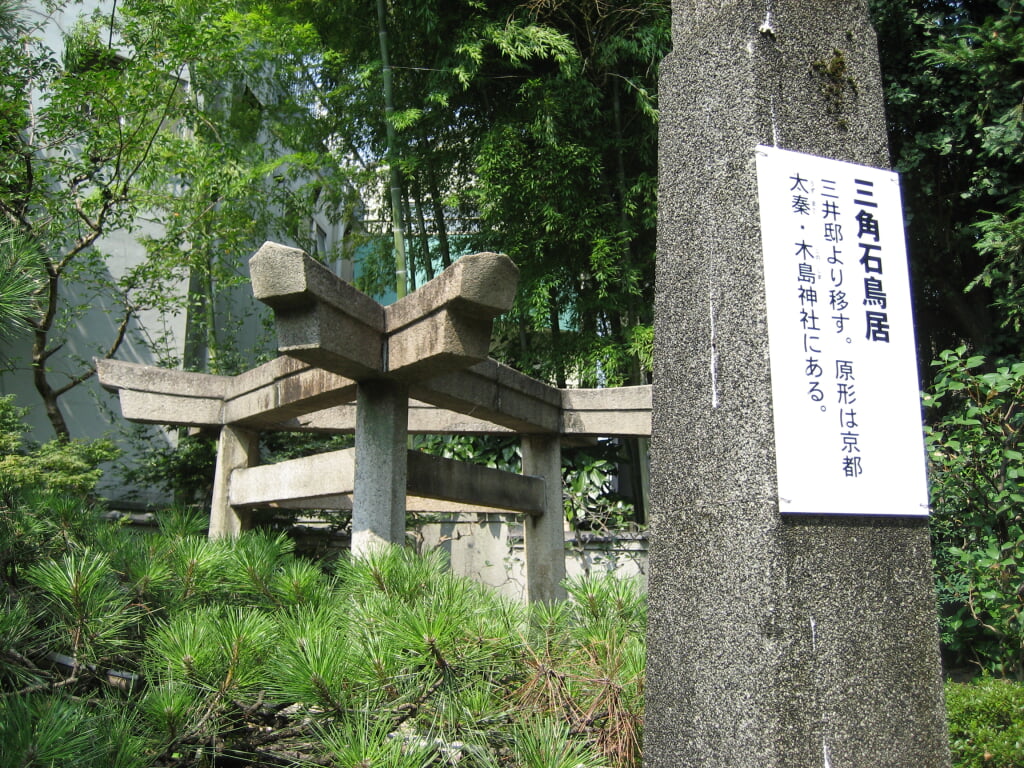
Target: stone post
{"points": [[545, 534], [378, 499], [236, 448], [774, 642]]}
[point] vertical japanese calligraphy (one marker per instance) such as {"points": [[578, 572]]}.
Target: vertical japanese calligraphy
{"points": [[841, 338]]}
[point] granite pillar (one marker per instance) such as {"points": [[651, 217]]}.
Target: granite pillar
{"points": [[544, 534], [378, 498], [774, 642], [236, 448]]}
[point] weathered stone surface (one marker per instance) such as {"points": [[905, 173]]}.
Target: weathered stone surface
{"points": [[293, 394], [309, 481], [236, 449], [437, 478], [174, 410], [484, 282], [544, 534], [773, 643], [118, 374], [324, 321], [378, 502], [265, 396], [447, 323], [496, 393], [321, 319], [620, 411]]}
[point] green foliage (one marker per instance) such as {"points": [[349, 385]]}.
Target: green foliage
{"points": [[523, 127], [40, 731], [391, 659], [588, 498], [21, 277], [986, 723], [952, 74], [975, 452], [87, 610], [185, 469], [170, 107], [62, 466]]}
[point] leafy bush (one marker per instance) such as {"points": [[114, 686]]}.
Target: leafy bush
{"points": [[184, 470], [240, 649], [65, 466], [977, 470], [986, 723]]}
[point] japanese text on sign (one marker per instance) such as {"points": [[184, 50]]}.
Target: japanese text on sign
{"points": [[841, 338]]}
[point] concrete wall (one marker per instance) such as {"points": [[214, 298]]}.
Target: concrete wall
{"points": [[489, 548]]}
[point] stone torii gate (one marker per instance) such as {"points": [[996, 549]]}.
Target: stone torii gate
{"points": [[418, 365]]}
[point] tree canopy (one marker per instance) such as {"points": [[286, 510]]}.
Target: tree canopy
{"points": [[143, 120], [524, 127], [954, 76]]}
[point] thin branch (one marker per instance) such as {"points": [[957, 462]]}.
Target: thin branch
{"points": [[90, 371], [51, 686]]}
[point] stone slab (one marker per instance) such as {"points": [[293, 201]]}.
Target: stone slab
{"points": [[495, 393], [449, 480], [321, 319], [307, 479]]}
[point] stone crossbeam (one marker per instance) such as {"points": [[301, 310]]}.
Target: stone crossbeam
{"points": [[284, 388], [321, 319], [613, 412], [287, 394], [309, 481], [432, 477], [495, 393], [327, 481]]}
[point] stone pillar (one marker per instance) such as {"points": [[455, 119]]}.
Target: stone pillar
{"points": [[236, 448], [378, 499], [545, 534], [773, 642]]}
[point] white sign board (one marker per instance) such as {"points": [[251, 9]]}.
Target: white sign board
{"points": [[841, 338]]}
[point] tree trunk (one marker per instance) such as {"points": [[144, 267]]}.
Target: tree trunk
{"points": [[439, 223], [424, 236]]}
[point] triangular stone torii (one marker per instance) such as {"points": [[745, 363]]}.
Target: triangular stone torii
{"points": [[418, 365]]}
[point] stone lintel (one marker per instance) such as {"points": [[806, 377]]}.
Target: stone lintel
{"points": [[496, 393], [481, 285], [423, 419], [446, 324], [280, 367], [171, 410], [613, 412], [288, 278], [119, 374], [324, 321], [287, 394], [616, 411], [304, 391], [438, 478], [326, 481]]}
